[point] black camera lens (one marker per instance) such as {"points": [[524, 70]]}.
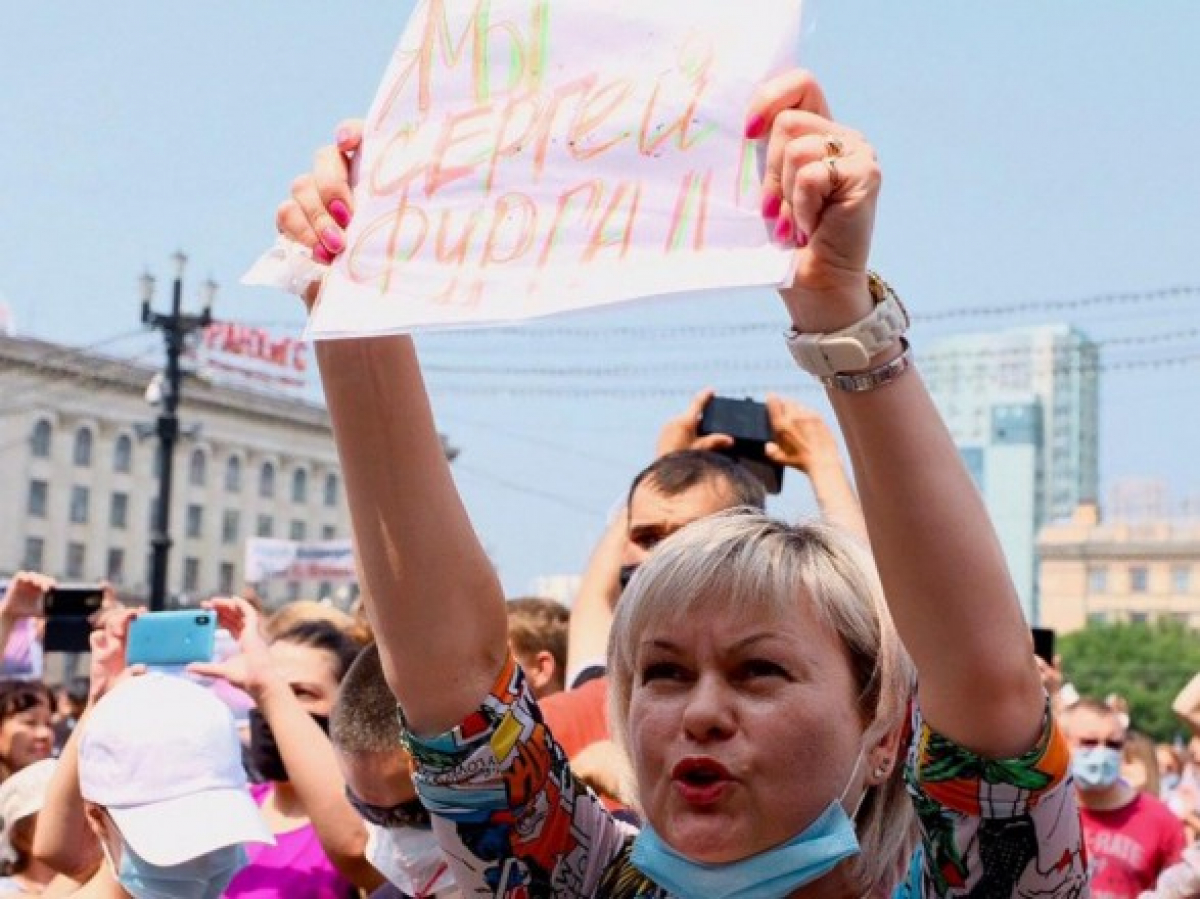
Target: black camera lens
{"points": [[201, 619]]}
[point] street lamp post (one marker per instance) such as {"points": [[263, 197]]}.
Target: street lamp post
{"points": [[175, 327]]}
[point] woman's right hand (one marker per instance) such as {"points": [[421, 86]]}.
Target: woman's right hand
{"points": [[322, 202], [252, 669]]}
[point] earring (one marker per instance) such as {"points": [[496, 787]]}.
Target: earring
{"points": [[881, 771]]}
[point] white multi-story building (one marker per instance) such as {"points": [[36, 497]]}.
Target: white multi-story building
{"points": [[79, 482], [1023, 407]]}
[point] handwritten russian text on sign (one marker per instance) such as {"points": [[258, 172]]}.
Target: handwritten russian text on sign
{"points": [[525, 157]]}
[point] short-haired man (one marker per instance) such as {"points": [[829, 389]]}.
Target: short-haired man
{"points": [[537, 635], [365, 731], [690, 479], [1132, 837]]}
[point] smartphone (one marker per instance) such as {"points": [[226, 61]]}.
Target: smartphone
{"points": [[1043, 644], [167, 639], [67, 609], [748, 423], [73, 600]]}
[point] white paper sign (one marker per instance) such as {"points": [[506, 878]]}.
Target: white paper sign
{"points": [[527, 157], [289, 560]]}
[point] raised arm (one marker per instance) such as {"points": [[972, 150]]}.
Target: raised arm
{"points": [[941, 565], [434, 599]]}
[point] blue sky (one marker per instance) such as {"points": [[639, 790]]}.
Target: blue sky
{"points": [[1033, 153]]}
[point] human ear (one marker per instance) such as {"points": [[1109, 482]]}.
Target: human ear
{"points": [[883, 757]]}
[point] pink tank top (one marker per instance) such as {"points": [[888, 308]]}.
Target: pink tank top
{"points": [[296, 867]]}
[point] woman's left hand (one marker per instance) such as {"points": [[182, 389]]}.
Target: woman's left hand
{"points": [[251, 669], [820, 190]]}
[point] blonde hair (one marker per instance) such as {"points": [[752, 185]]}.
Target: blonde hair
{"points": [[744, 562]]}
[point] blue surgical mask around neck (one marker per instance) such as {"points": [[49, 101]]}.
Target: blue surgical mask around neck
{"points": [[773, 874], [203, 877], [1096, 767]]}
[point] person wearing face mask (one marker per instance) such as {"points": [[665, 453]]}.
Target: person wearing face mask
{"points": [[164, 792], [320, 841], [1132, 836], [762, 675], [366, 736]]}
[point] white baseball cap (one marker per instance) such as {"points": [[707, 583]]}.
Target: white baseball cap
{"points": [[161, 754], [23, 795]]}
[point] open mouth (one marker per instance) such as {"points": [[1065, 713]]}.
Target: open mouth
{"points": [[700, 772]]}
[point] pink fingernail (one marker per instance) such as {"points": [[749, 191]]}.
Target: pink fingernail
{"points": [[755, 126], [322, 255], [344, 136], [801, 239], [340, 213], [772, 203], [333, 240], [783, 231]]}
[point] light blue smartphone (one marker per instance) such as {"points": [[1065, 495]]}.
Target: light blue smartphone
{"points": [[170, 639]]}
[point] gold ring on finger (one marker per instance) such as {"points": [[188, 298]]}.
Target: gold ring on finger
{"points": [[835, 176], [834, 146]]}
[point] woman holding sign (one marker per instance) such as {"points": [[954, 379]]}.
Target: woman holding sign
{"points": [[766, 700]]}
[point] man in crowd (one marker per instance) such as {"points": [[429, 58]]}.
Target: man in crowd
{"points": [[1132, 837], [689, 479], [365, 731], [537, 633]]}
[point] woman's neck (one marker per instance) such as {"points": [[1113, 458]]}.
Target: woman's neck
{"points": [[283, 808], [35, 873], [837, 884]]}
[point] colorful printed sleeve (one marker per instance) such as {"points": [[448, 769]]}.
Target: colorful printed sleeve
{"points": [[507, 811], [996, 828]]}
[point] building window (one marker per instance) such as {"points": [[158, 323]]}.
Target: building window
{"points": [[195, 521], [1097, 580], [76, 556], [198, 468], [80, 498], [152, 518], [118, 511], [328, 532], [1139, 579], [230, 525], [225, 579], [35, 554], [116, 566], [265, 526], [266, 481], [331, 490], [1097, 618], [39, 440], [39, 496], [1139, 617], [297, 531], [299, 486], [191, 574], [233, 474], [123, 454], [83, 447], [1181, 579]]}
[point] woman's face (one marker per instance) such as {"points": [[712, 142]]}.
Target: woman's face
{"points": [[26, 737], [311, 672], [742, 732]]}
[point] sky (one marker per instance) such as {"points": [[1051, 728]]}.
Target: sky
{"points": [[1036, 156]]}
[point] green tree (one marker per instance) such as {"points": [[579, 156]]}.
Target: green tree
{"points": [[1148, 664]]}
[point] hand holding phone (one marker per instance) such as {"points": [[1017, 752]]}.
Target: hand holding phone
{"points": [[748, 423], [24, 593], [171, 639]]}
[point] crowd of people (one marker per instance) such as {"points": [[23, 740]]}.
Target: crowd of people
{"points": [[736, 706]]}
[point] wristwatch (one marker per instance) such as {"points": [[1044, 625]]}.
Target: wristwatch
{"points": [[851, 349]]}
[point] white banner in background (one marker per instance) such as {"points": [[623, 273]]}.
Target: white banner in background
{"points": [[289, 560], [526, 157]]}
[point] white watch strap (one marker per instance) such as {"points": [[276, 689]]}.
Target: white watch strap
{"points": [[852, 348]]}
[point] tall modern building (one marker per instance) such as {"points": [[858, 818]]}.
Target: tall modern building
{"points": [[1023, 408]]}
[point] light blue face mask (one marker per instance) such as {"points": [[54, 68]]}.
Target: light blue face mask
{"points": [[205, 877], [1096, 768], [773, 874]]}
